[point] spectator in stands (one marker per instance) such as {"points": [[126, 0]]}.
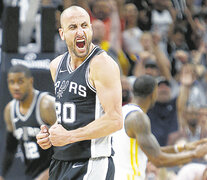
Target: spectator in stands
{"points": [[163, 115], [127, 93], [107, 11], [191, 99], [191, 92], [111, 27], [132, 33], [98, 39], [152, 51]]}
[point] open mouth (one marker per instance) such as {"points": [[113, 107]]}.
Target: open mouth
{"points": [[80, 43]]}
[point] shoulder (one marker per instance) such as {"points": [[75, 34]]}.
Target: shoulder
{"points": [[56, 61], [136, 122], [8, 107], [103, 60], [136, 115], [54, 65], [47, 109], [47, 101], [103, 64], [7, 117]]}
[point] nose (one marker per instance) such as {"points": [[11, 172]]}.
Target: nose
{"points": [[80, 31], [15, 86]]}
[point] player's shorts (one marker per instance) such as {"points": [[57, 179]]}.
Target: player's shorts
{"points": [[92, 169]]}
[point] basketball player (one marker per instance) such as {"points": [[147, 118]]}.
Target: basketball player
{"points": [[23, 115], [135, 143], [88, 104]]}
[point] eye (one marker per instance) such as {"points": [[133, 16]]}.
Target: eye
{"points": [[84, 25], [10, 82], [20, 82], [72, 27]]}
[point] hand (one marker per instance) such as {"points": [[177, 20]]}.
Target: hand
{"points": [[1, 178], [59, 136], [182, 56], [156, 38], [113, 6], [195, 144], [186, 79], [43, 175], [201, 151], [43, 137]]}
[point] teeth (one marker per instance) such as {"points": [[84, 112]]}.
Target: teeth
{"points": [[80, 40]]}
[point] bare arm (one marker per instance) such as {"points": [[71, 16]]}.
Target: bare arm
{"points": [[105, 76], [54, 65], [162, 61], [138, 126], [184, 147], [115, 31], [7, 118], [186, 79], [47, 109]]}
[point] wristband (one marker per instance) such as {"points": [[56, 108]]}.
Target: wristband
{"points": [[179, 148], [176, 148]]}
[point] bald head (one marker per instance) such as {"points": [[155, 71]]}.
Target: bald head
{"points": [[71, 11]]}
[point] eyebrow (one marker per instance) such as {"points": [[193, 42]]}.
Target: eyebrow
{"points": [[74, 24]]}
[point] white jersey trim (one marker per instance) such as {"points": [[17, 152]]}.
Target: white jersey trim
{"points": [[88, 81], [100, 147], [29, 112], [12, 111], [70, 70], [97, 169]]}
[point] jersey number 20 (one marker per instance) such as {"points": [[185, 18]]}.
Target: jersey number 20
{"points": [[67, 110]]}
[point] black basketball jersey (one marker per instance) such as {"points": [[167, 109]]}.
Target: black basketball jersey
{"points": [[26, 127], [77, 105]]}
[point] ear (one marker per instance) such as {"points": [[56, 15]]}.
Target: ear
{"points": [[61, 33]]}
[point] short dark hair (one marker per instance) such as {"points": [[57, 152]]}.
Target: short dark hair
{"points": [[144, 86], [20, 68]]}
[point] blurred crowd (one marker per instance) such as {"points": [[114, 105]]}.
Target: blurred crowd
{"points": [[163, 38]]}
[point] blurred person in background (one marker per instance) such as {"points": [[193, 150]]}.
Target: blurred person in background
{"points": [[108, 12], [127, 93], [191, 91], [151, 54], [190, 100], [132, 33], [23, 116], [134, 144], [98, 39], [192, 171], [163, 115]]}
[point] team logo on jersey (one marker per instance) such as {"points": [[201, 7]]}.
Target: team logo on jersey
{"points": [[62, 88]]}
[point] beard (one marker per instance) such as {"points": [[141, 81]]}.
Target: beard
{"points": [[193, 123]]}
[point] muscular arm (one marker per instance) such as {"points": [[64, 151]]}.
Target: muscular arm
{"points": [[137, 126], [47, 109], [105, 76]]}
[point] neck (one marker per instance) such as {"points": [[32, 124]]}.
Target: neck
{"points": [[28, 100], [142, 103], [193, 129], [76, 61]]}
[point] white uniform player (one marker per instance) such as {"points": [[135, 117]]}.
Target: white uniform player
{"points": [[130, 161]]}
